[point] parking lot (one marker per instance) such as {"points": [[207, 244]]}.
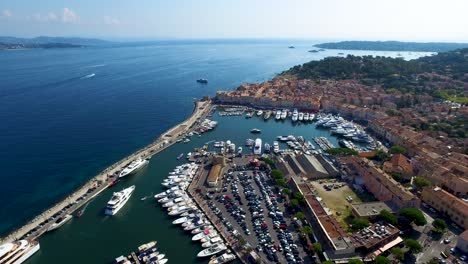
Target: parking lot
{"points": [[250, 207]]}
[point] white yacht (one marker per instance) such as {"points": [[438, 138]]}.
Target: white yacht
{"points": [[60, 222], [226, 257], [211, 242], [276, 147], [295, 115], [284, 114], [211, 237], [306, 117], [118, 200], [278, 115], [258, 146], [259, 113], [301, 116], [203, 234], [133, 166], [239, 150], [212, 250], [17, 252]]}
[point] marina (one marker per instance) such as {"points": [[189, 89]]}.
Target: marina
{"points": [[230, 131]]}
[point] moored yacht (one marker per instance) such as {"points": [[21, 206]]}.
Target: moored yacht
{"points": [[212, 250], [278, 115], [18, 251], [224, 258], [118, 200], [60, 222], [284, 114], [258, 146], [295, 115], [301, 116], [267, 148], [133, 166], [275, 147]]}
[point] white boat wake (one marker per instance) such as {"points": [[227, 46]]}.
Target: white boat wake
{"points": [[88, 76], [96, 66]]}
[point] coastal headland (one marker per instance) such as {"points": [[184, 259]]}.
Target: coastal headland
{"points": [[83, 195]]}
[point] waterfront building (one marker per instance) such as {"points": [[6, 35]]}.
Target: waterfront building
{"points": [[447, 204]]}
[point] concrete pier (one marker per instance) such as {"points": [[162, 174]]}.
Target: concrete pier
{"points": [[37, 226]]}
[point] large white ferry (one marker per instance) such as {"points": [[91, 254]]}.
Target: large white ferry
{"points": [[258, 146], [133, 166], [17, 252], [118, 200]]}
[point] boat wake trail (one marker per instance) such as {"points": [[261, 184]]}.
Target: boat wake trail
{"points": [[88, 76], [95, 66]]}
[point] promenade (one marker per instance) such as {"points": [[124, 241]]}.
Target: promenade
{"points": [[83, 195]]}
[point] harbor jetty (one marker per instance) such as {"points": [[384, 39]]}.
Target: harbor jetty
{"points": [[83, 195]]}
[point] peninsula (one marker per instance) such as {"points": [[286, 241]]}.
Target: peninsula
{"points": [[393, 46]]}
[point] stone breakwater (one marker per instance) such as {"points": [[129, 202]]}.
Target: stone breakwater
{"points": [[37, 226]]}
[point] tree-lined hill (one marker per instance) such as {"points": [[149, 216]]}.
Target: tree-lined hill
{"points": [[444, 75], [393, 46]]}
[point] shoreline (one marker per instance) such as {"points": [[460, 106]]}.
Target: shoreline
{"points": [[100, 182]]}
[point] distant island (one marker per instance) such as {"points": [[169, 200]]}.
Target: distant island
{"points": [[45, 42], [393, 46]]}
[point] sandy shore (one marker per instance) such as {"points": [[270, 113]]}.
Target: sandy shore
{"points": [[100, 182]]}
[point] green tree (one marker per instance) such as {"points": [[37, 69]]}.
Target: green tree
{"points": [[286, 191], [381, 155], [328, 262], [299, 197], [300, 215], [421, 182], [382, 260], [388, 217], [277, 174], [398, 150], [281, 182], [439, 225], [413, 215], [413, 245], [269, 161], [359, 223], [294, 203], [317, 247], [355, 261], [398, 253], [341, 151], [307, 230]]}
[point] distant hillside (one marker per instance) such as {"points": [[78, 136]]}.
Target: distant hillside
{"points": [[393, 46], [443, 75], [43, 40], [6, 46]]}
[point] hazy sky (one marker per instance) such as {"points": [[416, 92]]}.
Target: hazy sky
{"points": [[420, 20]]}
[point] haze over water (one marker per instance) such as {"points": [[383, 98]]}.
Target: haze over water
{"points": [[66, 114]]}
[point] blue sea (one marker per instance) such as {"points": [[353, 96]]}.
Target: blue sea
{"points": [[66, 114]]}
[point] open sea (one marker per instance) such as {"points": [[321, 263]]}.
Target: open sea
{"points": [[66, 114]]}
